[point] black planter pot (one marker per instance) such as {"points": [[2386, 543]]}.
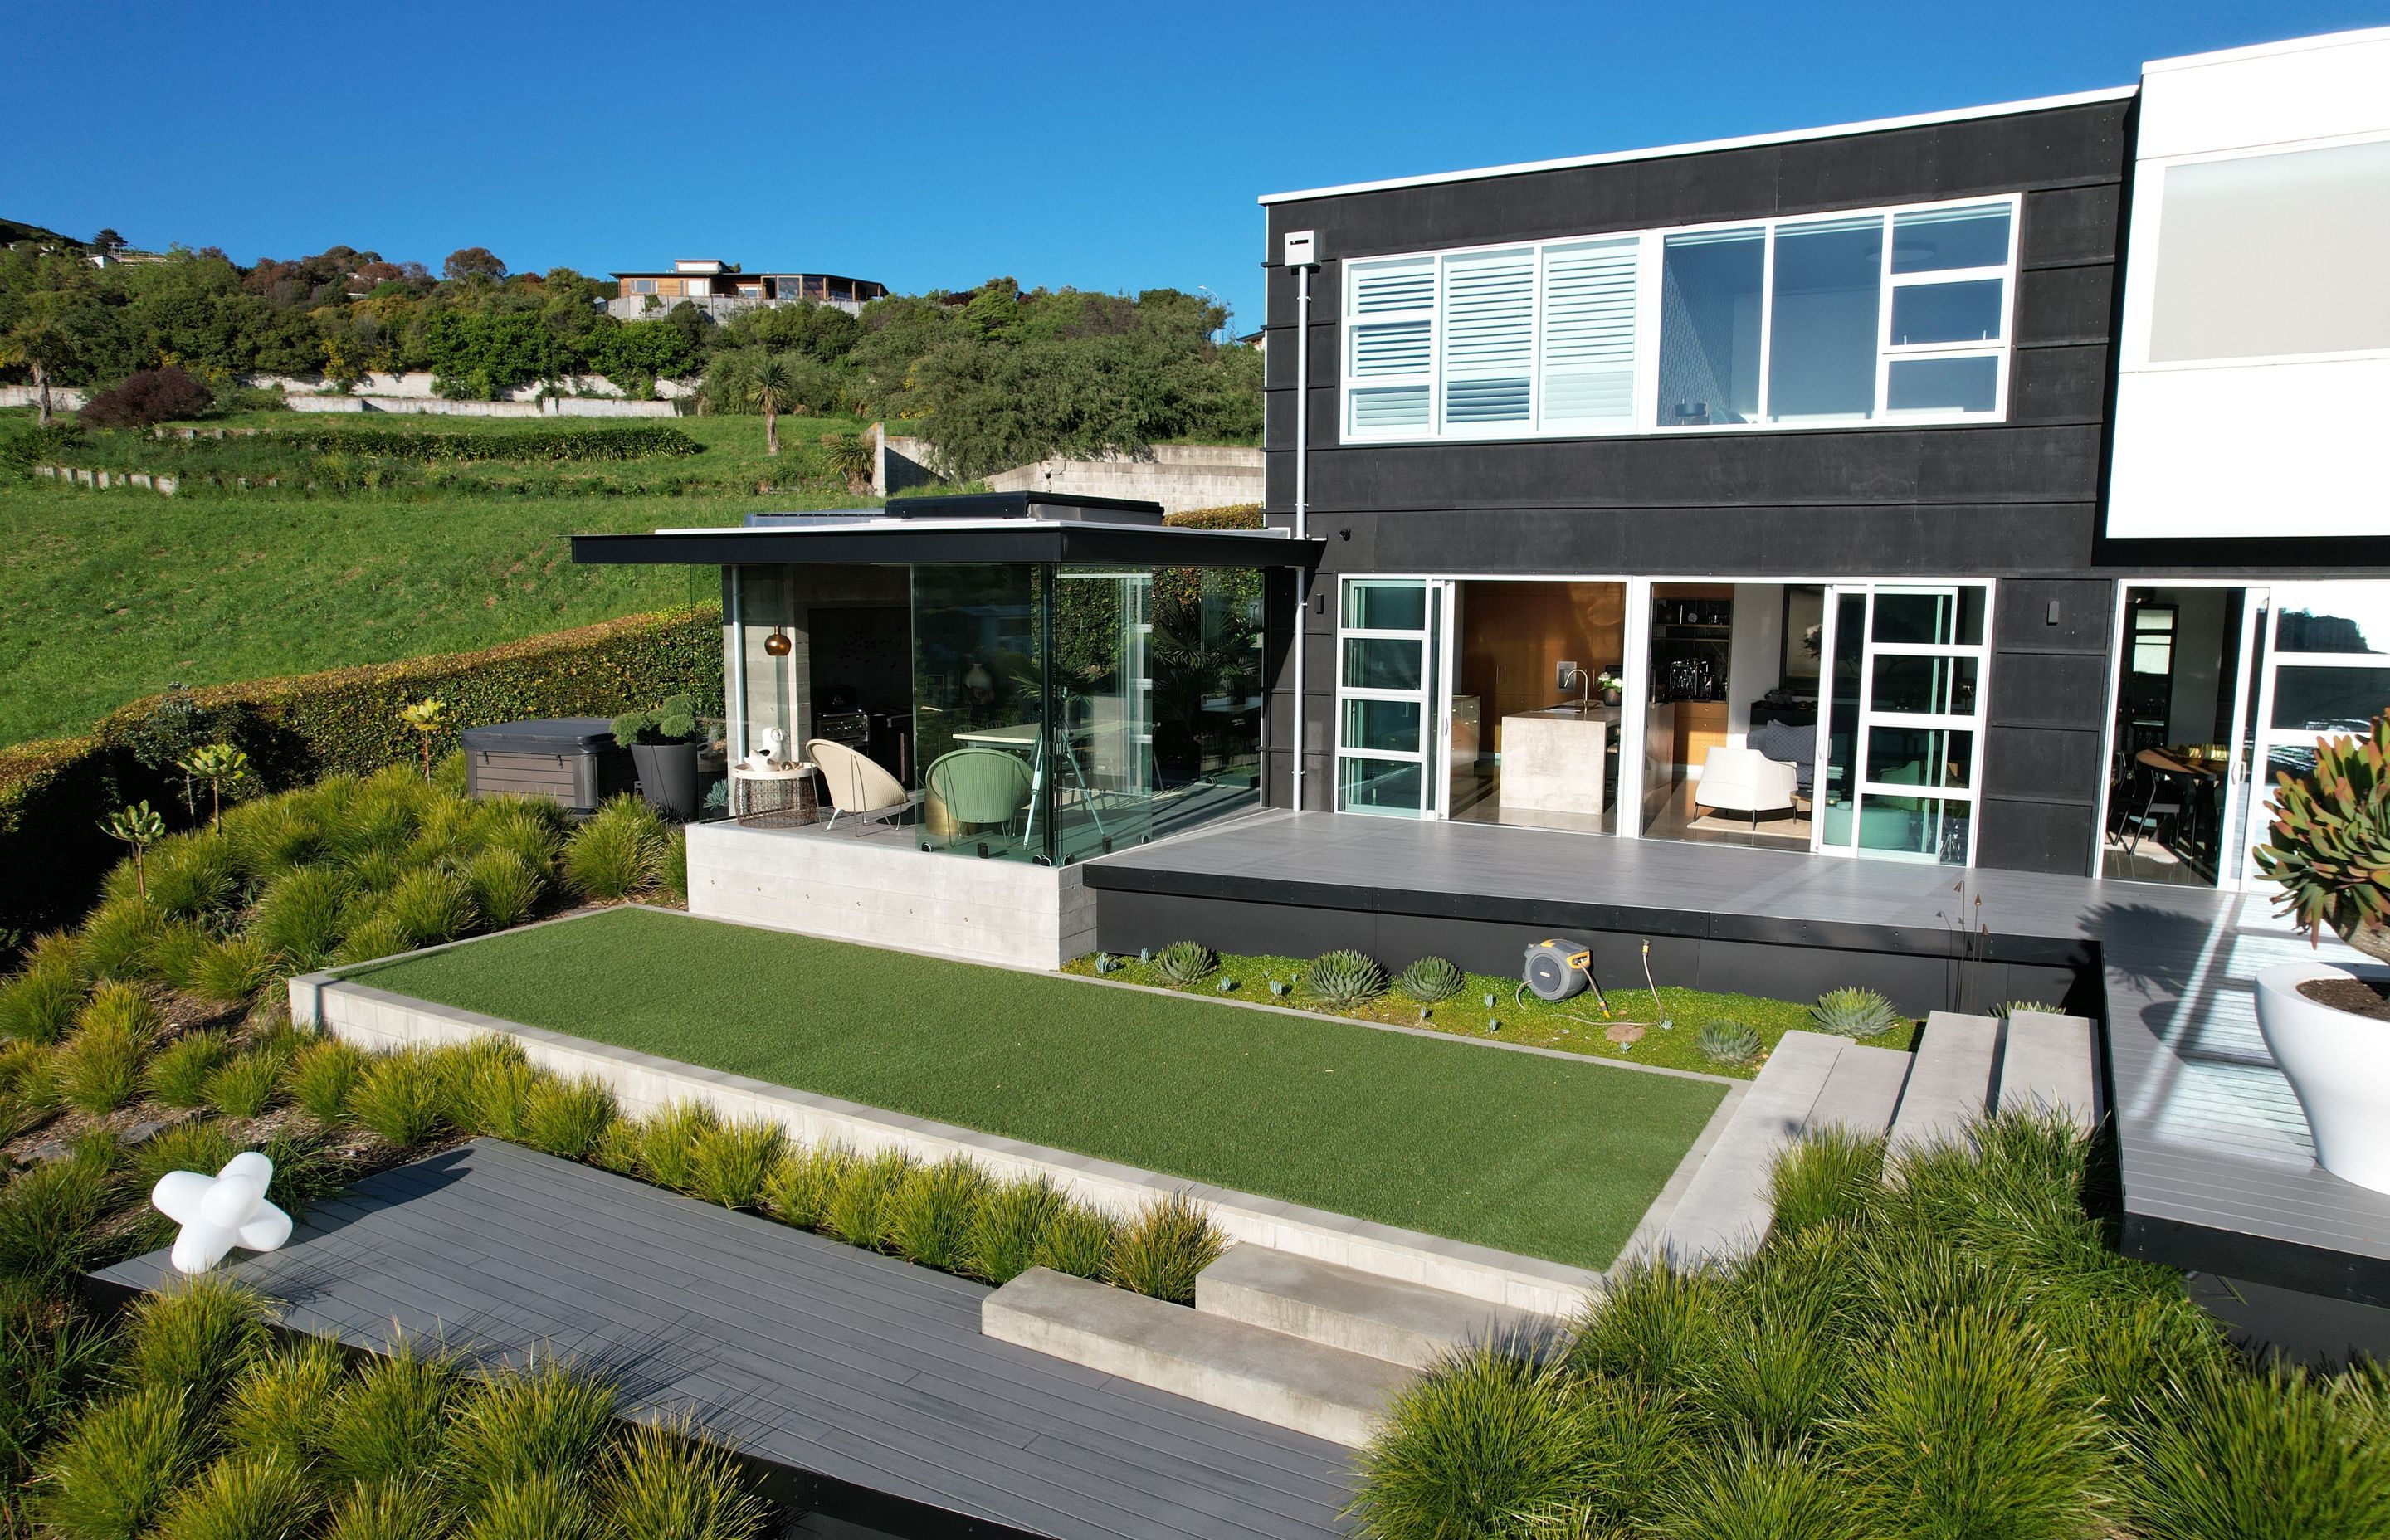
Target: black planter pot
{"points": [[668, 778]]}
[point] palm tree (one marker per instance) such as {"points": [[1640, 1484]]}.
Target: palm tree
{"points": [[772, 387], [41, 346]]}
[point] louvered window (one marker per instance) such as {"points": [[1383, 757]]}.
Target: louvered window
{"points": [[1390, 363], [1489, 341], [1589, 325]]}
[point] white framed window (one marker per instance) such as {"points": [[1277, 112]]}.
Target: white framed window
{"points": [[1886, 315]]}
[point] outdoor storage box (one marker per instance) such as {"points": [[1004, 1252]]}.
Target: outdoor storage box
{"points": [[572, 760]]}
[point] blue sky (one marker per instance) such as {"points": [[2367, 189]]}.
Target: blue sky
{"points": [[1111, 146]]}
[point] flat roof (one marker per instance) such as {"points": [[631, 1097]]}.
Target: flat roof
{"points": [[1835, 131], [2266, 50], [850, 540]]}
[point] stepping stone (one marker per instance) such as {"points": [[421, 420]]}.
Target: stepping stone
{"points": [[1725, 1211], [2049, 1062], [1403, 1323], [1950, 1083]]}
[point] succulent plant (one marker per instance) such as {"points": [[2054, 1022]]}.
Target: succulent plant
{"points": [[1226, 985], [1344, 978], [1184, 962], [1430, 979], [2330, 843], [1851, 1012], [1107, 963], [1279, 988], [2010, 1007], [1726, 1041], [1145, 954]]}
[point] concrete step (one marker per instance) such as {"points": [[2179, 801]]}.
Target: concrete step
{"points": [[2047, 1062], [1725, 1212], [1295, 1383], [1863, 1089], [1950, 1081], [1408, 1324]]}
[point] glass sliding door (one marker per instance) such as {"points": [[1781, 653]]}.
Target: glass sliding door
{"points": [[1388, 697], [2326, 674], [1900, 743]]}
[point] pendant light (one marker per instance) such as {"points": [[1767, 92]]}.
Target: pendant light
{"points": [[777, 644]]}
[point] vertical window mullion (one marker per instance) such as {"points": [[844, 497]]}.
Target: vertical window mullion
{"points": [[1883, 327], [1766, 318]]}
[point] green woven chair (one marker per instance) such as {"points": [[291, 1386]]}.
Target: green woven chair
{"points": [[979, 786]]}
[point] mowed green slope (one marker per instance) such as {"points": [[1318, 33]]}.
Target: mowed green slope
{"points": [[1553, 1157]]}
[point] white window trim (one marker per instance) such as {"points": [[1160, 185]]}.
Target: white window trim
{"points": [[1644, 420]]}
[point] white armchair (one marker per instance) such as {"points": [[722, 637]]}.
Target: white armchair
{"points": [[1746, 781], [855, 784]]}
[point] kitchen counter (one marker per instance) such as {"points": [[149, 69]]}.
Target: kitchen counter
{"points": [[1555, 765]]}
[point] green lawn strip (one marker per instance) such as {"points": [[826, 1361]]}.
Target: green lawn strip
{"points": [[1519, 1151], [1575, 1025]]}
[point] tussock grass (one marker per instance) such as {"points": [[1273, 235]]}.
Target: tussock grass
{"points": [[177, 1073], [195, 1146], [659, 1484], [1078, 1242], [48, 1214], [801, 1187], [504, 887], [233, 971], [1162, 1247], [303, 915], [1009, 1228], [246, 1084], [113, 1473], [39, 1004], [245, 1496], [388, 1424], [282, 1401], [387, 1510], [194, 1338], [1489, 1436], [399, 1097], [665, 1141], [865, 1199], [567, 1118], [730, 1163], [121, 937], [320, 1076], [1832, 1176], [545, 1420], [430, 905], [616, 854], [931, 1216]]}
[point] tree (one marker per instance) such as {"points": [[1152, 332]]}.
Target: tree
{"points": [[42, 347], [473, 262], [224, 770], [140, 827], [110, 241], [771, 386], [428, 717]]}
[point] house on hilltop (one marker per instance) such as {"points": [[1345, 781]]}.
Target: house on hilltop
{"points": [[722, 288]]}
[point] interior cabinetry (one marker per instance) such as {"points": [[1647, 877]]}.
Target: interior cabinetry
{"points": [[1700, 726]]}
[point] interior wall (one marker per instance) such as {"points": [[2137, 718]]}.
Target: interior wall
{"points": [[1514, 635], [1756, 655], [2198, 665]]}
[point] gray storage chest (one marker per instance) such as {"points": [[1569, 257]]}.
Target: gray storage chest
{"points": [[572, 760]]}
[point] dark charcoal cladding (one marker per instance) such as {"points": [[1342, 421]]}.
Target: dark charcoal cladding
{"points": [[2001, 501]]}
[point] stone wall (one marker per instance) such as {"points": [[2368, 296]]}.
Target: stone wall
{"points": [[553, 406], [63, 398]]}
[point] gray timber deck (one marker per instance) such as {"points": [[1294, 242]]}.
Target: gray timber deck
{"points": [[802, 1351], [2217, 1166]]}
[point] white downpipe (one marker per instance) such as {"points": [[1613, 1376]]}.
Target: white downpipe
{"points": [[1301, 471]]}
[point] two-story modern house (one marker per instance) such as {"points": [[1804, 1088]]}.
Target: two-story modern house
{"points": [[1982, 488]]}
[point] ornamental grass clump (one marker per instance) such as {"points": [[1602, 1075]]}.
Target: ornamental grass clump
{"points": [[861, 1206], [49, 1216], [1009, 1229], [99, 1066], [929, 1218], [303, 916], [173, 958], [566, 1118], [1851, 1012], [177, 1073], [112, 1474], [121, 937], [430, 905], [1343, 978], [1077, 1240], [1159, 1249], [731, 1163], [659, 1483], [548, 1419], [373, 937], [234, 972], [388, 1510], [388, 1423], [1184, 962], [1430, 979], [194, 1338], [322, 1074], [399, 1097], [201, 1146], [1488, 1438], [281, 1401], [1832, 1175], [2265, 1455], [39, 1004], [800, 1188], [666, 1140], [192, 875], [245, 1086], [506, 889], [616, 854], [259, 1496]]}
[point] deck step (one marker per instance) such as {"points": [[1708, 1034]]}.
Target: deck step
{"points": [[1292, 1382], [1863, 1089], [1725, 1211], [1949, 1085], [2046, 1062], [1408, 1324]]}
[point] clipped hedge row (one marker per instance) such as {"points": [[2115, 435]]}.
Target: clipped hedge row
{"points": [[627, 442], [1236, 515], [54, 792]]}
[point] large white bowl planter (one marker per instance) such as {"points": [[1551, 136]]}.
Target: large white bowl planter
{"points": [[2339, 1064]]}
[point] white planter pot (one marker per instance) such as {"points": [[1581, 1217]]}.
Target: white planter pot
{"points": [[2339, 1064]]}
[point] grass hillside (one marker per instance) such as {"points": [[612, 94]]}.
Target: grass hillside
{"points": [[106, 596]]}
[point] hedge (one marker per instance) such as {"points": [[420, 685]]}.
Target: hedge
{"points": [[629, 441], [54, 792], [1236, 515]]}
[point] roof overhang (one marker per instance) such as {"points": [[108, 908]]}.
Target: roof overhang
{"points": [[923, 542]]}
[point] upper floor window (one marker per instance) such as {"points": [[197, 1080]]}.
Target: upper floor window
{"points": [[1900, 315]]}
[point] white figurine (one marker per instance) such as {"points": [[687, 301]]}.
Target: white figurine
{"points": [[220, 1211], [773, 738]]}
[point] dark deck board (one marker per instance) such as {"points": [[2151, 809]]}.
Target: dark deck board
{"points": [[2211, 1141], [815, 1356]]}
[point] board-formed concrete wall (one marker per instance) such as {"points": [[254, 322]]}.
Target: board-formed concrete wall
{"points": [[887, 894], [1179, 477]]}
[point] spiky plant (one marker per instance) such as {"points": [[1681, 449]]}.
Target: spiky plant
{"points": [[242, 1496], [1077, 1240], [931, 1218], [2329, 844], [120, 939], [1727, 1041], [1160, 1251], [618, 852], [1010, 1225], [1832, 1174], [178, 1072], [1746, 1490], [2007, 1009], [565, 1117], [375, 936], [1344, 978], [1430, 979], [322, 1074], [233, 973], [1851, 1012], [430, 905], [1184, 962], [729, 1164]]}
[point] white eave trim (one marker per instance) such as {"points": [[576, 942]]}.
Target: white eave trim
{"points": [[2267, 50], [1920, 120]]}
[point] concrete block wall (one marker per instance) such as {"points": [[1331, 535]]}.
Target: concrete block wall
{"points": [[883, 891], [643, 1085], [1179, 477]]}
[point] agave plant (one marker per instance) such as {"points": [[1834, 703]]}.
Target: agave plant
{"points": [[1430, 979], [1726, 1041], [1343, 978], [1184, 962], [1851, 1012], [2330, 843], [2007, 1009]]}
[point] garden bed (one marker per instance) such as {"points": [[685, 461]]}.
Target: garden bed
{"points": [[1523, 1152], [1494, 1009]]}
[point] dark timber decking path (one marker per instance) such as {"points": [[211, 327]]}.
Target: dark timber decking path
{"points": [[808, 1353], [2218, 1168]]}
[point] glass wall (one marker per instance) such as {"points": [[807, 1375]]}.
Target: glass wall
{"points": [[1063, 712]]}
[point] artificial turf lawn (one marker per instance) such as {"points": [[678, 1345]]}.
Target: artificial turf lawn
{"points": [[1547, 1156]]}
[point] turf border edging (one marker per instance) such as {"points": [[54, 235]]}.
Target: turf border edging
{"points": [[644, 1083]]}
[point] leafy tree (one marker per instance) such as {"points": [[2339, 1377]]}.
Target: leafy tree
{"points": [[41, 347], [140, 827], [108, 240], [772, 386], [224, 770], [472, 261], [151, 396]]}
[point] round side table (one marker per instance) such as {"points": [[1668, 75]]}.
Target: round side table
{"points": [[780, 797]]}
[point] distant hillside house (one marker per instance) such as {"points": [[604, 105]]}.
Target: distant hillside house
{"points": [[723, 288]]}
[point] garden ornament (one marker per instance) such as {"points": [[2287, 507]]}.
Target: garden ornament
{"points": [[221, 1211]]}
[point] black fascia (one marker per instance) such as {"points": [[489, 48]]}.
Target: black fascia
{"points": [[1073, 543]]}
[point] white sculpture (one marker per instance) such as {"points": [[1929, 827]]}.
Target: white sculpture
{"points": [[768, 755], [220, 1211]]}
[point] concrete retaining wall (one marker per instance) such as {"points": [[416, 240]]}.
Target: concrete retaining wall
{"points": [[169, 485], [644, 1085], [553, 406], [63, 398], [882, 891], [1179, 477]]}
